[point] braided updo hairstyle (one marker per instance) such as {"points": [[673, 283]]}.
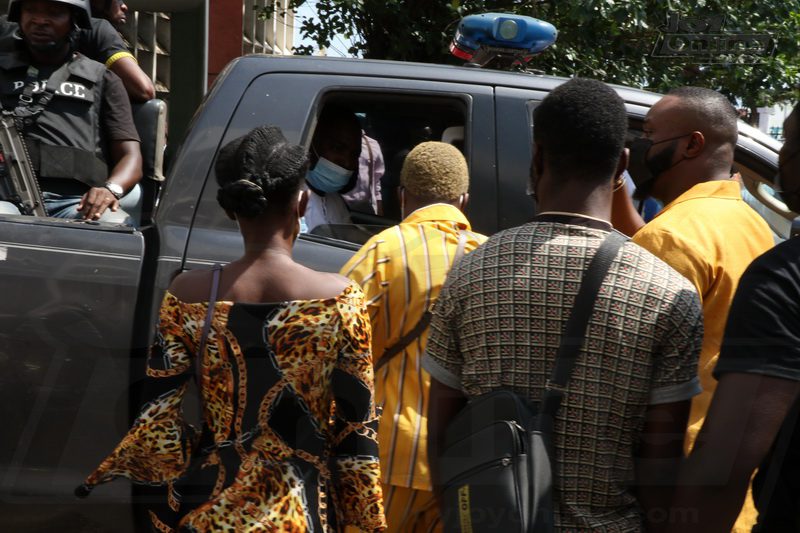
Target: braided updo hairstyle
{"points": [[259, 170]]}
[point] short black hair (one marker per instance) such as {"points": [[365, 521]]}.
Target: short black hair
{"points": [[581, 127], [258, 170], [336, 116], [709, 112]]}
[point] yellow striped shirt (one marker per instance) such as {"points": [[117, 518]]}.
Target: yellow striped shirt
{"points": [[401, 271]]}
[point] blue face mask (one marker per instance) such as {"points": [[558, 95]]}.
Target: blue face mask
{"points": [[328, 177]]}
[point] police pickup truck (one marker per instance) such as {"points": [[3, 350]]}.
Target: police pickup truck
{"points": [[78, 300]]}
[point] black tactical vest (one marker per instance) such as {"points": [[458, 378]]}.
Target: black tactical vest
{"points": [[64, 140]]}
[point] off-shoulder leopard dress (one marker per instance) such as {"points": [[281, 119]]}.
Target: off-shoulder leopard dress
{"points": [[289, 434]]}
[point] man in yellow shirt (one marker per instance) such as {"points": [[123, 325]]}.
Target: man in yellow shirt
{"points": [[705, 231], [401, 271]]}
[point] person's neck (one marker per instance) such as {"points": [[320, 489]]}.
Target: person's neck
{"points": [[48, 59], [697, 176], [257, 252], [414, 204], [265, 245], [595, 205]]}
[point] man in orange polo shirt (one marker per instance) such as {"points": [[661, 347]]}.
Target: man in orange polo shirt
{"points": [[705, 230]]}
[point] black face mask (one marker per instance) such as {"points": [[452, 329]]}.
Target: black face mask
{"points": [[644, 171]]}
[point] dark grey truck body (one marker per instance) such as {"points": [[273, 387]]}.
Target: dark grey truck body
{"points": [[78, 301]]}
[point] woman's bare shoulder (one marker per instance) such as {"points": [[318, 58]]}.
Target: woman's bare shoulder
{"points": [[323, 285], [296, 283], [192, 286]]}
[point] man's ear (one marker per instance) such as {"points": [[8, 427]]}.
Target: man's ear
{"points": [[231, 215], [537, 163], [697, 142], [622, 164], [464, 202], [536, 170]]}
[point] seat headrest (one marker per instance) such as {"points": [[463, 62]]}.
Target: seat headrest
{"points": [[453, 135]]}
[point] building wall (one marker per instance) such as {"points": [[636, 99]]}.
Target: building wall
{"points": [[148, 36], [234, 28], [770, 119]]}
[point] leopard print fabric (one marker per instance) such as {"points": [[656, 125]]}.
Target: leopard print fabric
{"points": [[158, 447], [264, 497], [289, 419]]}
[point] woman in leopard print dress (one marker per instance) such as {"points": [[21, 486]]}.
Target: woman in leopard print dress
{"points": [[288, 436]]}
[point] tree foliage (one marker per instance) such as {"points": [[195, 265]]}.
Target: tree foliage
{"points": [[610, 40]]}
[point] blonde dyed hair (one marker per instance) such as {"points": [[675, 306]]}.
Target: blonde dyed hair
{"points": [[435, 171]]}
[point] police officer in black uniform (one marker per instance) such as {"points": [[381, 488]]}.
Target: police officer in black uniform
{"points": [[102, 43], [74, 113], [114, 11]]}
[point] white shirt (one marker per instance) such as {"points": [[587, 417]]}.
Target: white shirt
{"points": [[328, 209]]}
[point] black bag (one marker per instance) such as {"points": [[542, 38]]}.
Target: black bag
{"points": [[496, 467]]}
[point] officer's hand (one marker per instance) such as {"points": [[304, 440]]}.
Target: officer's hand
{"points": [[95, 202]]}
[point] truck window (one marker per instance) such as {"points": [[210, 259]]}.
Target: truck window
{"points": [[391, 125], [395, 113]]}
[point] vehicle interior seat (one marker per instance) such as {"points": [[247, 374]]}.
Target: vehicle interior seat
{"points": [[454, 135], [150, 119]]}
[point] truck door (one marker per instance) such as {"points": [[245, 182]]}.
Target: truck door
{"points": [[69, 292], [514, 108], [292, 101]]}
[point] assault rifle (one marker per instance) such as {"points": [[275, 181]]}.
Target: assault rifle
{"points": [[18, 183]]}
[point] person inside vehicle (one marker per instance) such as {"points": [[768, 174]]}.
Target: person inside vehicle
{"points": [[334, 153], [75, 114], [365, 197], [295, 342], [114, 11], [107, 46], [101, 42], [119, 59]]}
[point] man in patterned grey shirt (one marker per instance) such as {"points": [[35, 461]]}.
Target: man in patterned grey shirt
{"points": [[498, 321]]}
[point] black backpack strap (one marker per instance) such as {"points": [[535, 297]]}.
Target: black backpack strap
{"points": [[404, 341], [424, 321], [575, 328]]}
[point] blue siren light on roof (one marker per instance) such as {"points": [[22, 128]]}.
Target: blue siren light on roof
{"points": [[516, 34]]}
